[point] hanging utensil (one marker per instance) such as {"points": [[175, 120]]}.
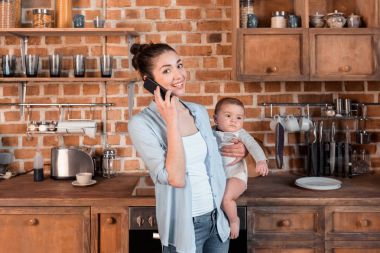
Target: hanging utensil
{"points": [[320, 150], [332, 149], [279, 145], [314, 151], [347, 152]]}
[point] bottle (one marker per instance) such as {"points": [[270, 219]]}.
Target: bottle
{"points": [[38, 167], [64, 13]]}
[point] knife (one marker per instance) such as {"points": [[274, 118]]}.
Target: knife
{"points": [[321, 150], [332, 149], [347, 152], [279, 145], [314, 152]]}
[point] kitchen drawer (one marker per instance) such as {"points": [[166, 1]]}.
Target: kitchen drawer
{"points": [[276, 246], [45, 229], [297, 223], [354, 222]]}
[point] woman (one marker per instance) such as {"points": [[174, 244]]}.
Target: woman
{"points": [[175, 141]]}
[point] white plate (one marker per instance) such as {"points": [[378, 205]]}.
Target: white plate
{"points": [[318, 183], [75, 183]]}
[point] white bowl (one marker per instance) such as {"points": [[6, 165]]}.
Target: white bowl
{"points": [[84, 178]]}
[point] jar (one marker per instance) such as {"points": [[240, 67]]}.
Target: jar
{"points": [[109, 160], [17, 15], [7, 13], [246, 7], [335, 19], [64, 13], [42, 18], [353, 21], [278, 19]]}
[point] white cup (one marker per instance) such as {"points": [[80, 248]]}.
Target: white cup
{"points": [[276, 119], [291, 124], [84, 178], [305, 123]]}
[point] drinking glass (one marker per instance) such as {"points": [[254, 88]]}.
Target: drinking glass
{"points": [[9, 65], [79, 65], [55, 63], [31, 65], [106, 65], [99, 22]]}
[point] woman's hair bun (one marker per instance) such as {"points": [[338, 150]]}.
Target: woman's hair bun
{"points": [[138, 48]]}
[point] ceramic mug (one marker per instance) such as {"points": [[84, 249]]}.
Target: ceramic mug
{"points": [[276, 119], [291, 124], [305, 123]]}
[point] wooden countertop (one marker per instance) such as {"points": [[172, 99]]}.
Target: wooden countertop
{"points": [[277, 189], [23, 191], [280, 190]]}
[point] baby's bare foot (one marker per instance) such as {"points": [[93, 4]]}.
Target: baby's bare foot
{"points": [[234, 227]]}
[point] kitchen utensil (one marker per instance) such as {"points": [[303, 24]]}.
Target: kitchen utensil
{"points": [[362, 137], [109, 157], [106, 65], [318, 183], [79, 65], [308, 153], [55, 63], [332, 149], [31, 65], [8, 65], [347, 107], [66, 162], [279, 146], [347, 152], [339, 158], [321, 150], [291, 124], [314, 151], [339, 107], [276, 119], [305, 123]]}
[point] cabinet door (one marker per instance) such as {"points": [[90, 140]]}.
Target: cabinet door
{"points": [[343, 55], [353, 223], [110, 230], [45, 229], [276, 246], [353, 247], [271, 54]]}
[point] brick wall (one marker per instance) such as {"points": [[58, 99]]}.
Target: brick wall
{"points": [[200, 32]]}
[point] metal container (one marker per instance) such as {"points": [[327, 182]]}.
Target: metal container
{"points": [[363, 137], [66, 162]]}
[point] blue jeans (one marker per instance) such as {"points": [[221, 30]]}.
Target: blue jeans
{"points": [[206, 236]]}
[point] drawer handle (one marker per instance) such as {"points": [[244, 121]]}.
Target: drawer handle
{"points": [[365, 223], [33, 222], [273, 69], [111, 220], [345, 69], [284, 223]]}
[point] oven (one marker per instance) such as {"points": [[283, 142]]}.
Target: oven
{"points": [[144, 237]]}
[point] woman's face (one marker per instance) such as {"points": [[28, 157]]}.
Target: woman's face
{"points": [[169, 72]]}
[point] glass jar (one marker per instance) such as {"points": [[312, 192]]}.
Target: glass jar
{"points": [[109, 162], [7, 13], [42, 18], [246, 7]]}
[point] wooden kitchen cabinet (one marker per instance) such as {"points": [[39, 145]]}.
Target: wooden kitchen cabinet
{"points": [[350, 54], [45, 229], [110, 230], [269, 55], [278, 54]]}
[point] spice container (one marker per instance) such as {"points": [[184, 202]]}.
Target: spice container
{"points": [[42, 18], [64, 13], [246, 7], [7, 13]]}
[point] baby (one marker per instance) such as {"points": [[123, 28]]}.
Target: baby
{"points": [[229, 117]]}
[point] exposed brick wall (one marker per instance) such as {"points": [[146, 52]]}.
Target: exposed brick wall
{"points": [[200, 32]]}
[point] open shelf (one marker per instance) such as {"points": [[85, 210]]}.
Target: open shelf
{"points": [[24, 32], [65, 79]]}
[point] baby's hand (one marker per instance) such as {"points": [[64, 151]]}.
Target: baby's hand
{"points": [[262, 168]]}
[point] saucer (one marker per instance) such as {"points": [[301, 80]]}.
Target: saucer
{"points": [[75, 183], [318, 183]]}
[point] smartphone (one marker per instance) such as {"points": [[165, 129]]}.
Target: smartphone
{"points": [[151, 86]]}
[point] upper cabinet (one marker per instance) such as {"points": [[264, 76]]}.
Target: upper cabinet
{"points": [[305, 52]]}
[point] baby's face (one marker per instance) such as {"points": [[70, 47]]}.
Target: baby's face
{"points": [[230, 118]]}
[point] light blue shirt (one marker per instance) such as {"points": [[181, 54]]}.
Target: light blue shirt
{"points": [[147, 131]]}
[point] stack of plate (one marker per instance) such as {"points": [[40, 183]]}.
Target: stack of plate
{"points": [[318, 183]]}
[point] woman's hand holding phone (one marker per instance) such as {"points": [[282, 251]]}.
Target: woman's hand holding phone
{"points": [[167, 107]]}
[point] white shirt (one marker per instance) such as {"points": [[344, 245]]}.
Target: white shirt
{"points": [[195, 154]]}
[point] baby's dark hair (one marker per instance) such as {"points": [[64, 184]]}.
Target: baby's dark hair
{"points": [[144, 54], [227, 100]]}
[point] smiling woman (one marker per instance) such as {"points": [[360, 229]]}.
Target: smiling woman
{"points": [[175, 141]]}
